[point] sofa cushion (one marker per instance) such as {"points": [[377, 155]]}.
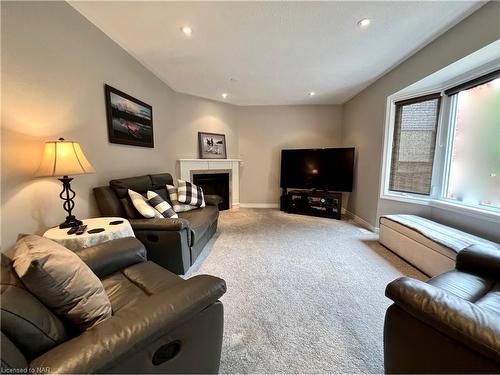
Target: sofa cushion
{"points": [[29, 324], [136, 282], [62, 281], [465, 285], [140, 184], [12, 358], [491, 300], [159, 180], [129, 208], [200, 220]]}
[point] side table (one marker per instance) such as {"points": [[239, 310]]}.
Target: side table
{"points": [[110, 232]]}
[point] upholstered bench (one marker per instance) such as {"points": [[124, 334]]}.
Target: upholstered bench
{"points": [[429, 246]]}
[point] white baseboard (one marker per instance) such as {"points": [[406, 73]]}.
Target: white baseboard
{"points": [[360, 221], [259, 205]]}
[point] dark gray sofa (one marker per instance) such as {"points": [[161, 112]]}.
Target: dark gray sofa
{"points": [[161, 323], [172, 243]]}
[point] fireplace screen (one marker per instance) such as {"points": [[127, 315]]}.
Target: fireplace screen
{"points": [[214, 184]]}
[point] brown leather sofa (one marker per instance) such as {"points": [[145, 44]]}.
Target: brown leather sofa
{"points": [[161, 323], [172, 243], [451, 324]]}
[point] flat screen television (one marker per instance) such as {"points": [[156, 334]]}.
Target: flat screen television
{"points": [[322, 168]]}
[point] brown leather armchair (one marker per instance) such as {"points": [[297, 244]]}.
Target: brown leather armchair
{"points": [[161, 323], [451, 324]]}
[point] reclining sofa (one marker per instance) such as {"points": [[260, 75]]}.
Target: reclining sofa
{"points": [[161, 323], [172, 243], [451, 324]]}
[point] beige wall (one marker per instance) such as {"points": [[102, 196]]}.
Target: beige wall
{"points": [[54, 66], [264, 131], [194, 114], [364, 117]]}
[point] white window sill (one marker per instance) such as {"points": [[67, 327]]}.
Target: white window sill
{"points": [[406, 198], [445, 205]]}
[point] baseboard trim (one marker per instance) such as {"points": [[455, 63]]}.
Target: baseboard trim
{"points": [[259, 205], [362, 222]]}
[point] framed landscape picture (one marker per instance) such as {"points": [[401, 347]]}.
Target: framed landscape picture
{"points": [[130, 121], [212, 146]]}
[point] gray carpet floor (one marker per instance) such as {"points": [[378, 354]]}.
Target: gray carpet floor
{"points": [[304, 294]]}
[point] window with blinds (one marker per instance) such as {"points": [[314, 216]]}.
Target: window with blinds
{"points": [[413, 144]]}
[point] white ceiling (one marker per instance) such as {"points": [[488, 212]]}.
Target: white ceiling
{"points": [[276, 51]]}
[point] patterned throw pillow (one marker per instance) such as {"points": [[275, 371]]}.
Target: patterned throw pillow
{"points": [[178, 207], [141, 205], [190, 194], [160, 205]]}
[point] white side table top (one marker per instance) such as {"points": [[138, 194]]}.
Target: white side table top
{"points": [[74, 242]]}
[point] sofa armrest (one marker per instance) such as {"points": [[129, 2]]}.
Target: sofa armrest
{"points": [[159, 224], [212, 200], [481, 260], [133, 327], [462, 320], [111, 256]]}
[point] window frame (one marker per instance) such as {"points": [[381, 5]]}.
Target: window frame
{"points": [[442, 154]]}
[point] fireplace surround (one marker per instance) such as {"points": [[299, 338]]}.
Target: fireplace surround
{"points": [[189, 169]]}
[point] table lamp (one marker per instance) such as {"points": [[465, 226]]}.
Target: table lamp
{"points": [[63, 158]]}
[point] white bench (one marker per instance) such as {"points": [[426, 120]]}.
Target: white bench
{"points": [[429, 246]]}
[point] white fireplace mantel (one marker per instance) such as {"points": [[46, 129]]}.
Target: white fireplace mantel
{"points": [[188, 167]]}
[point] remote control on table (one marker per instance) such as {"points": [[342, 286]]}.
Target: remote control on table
{"points": [[72, 230], [81, 230]]}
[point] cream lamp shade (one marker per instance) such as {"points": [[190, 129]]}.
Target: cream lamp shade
{"points": [[63, 158]]}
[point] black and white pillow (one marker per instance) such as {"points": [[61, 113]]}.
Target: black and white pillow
{"points": [[160, 205], [141, 205], [190, 194], [178, 207]]}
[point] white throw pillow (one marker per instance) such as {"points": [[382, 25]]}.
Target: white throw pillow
{"points": [[178, 207], [189, 193], [161, 205], [62, 281], [141, 204]]}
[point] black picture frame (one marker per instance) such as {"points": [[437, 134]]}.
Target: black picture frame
{"points": [[212, 145], [130, 120]]}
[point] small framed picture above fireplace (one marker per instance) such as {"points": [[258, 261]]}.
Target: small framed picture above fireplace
{"points": [[212, 145]]}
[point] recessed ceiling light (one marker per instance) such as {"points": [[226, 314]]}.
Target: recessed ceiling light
{"points": [[364, 22], [187, 30], [224, 95], [312, 93]]}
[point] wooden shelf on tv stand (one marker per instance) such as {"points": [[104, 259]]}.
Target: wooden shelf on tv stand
{"points": [[312, 202]]}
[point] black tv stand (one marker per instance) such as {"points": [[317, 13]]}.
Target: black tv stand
{"points": [[312, 202]]}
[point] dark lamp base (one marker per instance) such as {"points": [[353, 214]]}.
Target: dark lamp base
{"points": [[70, 222]]}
